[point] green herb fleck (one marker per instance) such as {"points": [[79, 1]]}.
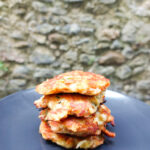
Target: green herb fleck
{"points": [[2, 66]]}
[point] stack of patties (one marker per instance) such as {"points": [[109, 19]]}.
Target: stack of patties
{"points": [[73, 114]]}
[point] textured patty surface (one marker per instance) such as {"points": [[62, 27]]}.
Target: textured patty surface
{"points": [[92, 125], [69, 141], [86, 83], [62, 105]]}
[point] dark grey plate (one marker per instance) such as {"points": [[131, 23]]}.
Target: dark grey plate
{"points": [[19, 123]]}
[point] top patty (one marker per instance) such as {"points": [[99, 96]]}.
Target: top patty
{"points": [[62, 105], [86, 83]]}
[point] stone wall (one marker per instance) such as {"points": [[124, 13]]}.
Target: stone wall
{"points": [[40, 39]]}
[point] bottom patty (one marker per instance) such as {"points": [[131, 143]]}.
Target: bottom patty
{"points": [[69, 141]]}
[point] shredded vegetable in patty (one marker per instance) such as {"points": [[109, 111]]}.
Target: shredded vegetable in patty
{"points": [[60, 106], [82, 127], [86, 83], [69, 141]]}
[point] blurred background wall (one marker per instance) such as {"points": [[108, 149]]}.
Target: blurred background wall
{"points": [[40, 39]]}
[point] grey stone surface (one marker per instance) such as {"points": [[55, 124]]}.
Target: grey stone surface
{"points": [[44, 28], [13, 57], [143, 34], [18, 35], [107, 1], [116, 45], [42, 55], [48, 1], [86, 59], [102, 46], [77, 67], [39, 6], [128, 52], [138, 70], [140, 8], [129, 31], [42, 38], [107, 34], [112, 57], [20, 71], [82, 41], [43, 73], [123, 72], [139, 61], [143, 85], [59, 11], [65, 65], [3, 84], [96, 8], [21, 44], [56, 64], [71, 55], [16, 85], [87, 31], [57, 38], [73, 1], [89, 47], [2, 4], [64, 47], [106, 71], [2, 73], [71, 29]]}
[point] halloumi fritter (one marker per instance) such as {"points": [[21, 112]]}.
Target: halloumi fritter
{"points": [[69, 141], [86, 83], [62, 105], [82, 127], [73, 114]]}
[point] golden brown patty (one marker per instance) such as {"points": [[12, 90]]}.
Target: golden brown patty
{"points": [[86, 83], [69, 141], [62, 105], [92, 125]]}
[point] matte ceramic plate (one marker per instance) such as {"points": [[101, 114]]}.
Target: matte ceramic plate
{"points": [[19, 123]]}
